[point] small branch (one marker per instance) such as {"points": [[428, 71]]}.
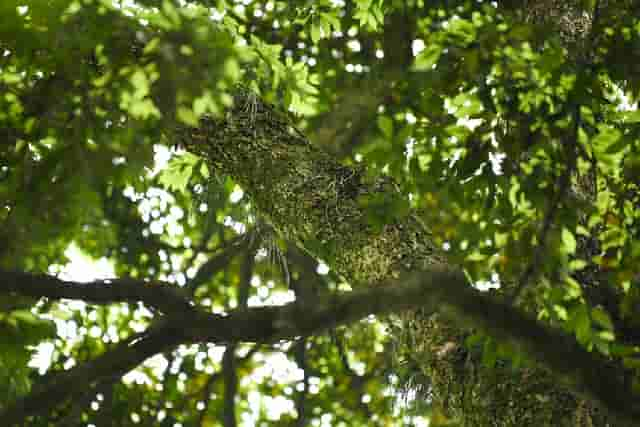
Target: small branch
{"points": [[80, 404], [306, 293], [356, 382], [533, 268], [230, 376], [563, 186], [170, 356], [229, 363], [300, 353], [206, 398], [246, 272], [216, 263], [105, 413], [310, 283], [208, 388], [161, 296]]}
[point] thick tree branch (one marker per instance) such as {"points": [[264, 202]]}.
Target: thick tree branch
{"points": [[163, 297], [441, 288], [447, 290]]}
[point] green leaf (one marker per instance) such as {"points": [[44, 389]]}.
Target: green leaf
{"points": [[187, 116], [427, 58], [204, 170], [171, 13], [333, 20], [489, 353], [602, 318], [204, 104], [178, 172], [568, 241], [630, 116], [603, 345], [315, 32], [577, 264], [582, 324], [474, 339], [475, 256], [386, 126]]}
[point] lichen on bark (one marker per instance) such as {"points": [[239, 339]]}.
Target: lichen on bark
{"points": [[568, 17], [307, 195], [474, 394]]}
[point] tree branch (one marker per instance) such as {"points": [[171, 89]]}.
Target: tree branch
{"points": [[217, 262], [440, 288], [113, 363], [161, 296], [300, 354], [447, 290], [559, 193], [230, 375], [229, 363]]}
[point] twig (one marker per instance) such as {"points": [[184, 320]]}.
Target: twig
{"points": [[549, 218]]}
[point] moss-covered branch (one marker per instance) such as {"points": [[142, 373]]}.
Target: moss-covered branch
{"points": [[308, 196]]}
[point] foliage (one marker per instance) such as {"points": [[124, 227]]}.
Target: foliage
{"points": [[512, 138]]}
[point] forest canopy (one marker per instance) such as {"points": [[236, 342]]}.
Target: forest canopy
{"points": [[320, 213]]}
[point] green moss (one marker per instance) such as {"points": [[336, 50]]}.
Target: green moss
{"points": [[480, 396], [307, 195]]}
